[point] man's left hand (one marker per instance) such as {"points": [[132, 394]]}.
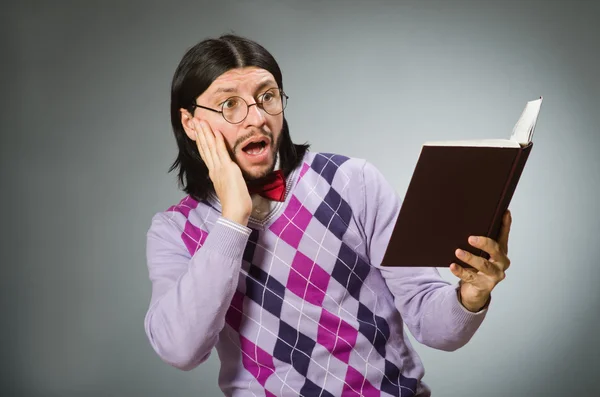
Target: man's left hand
{"points": [[476, 284]]}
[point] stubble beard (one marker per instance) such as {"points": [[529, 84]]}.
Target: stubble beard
{"points": [[250, 178]]}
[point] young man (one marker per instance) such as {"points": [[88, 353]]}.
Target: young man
{"points": [[274, 256]]}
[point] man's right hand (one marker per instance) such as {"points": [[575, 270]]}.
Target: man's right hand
{"points": [[224, 173]]}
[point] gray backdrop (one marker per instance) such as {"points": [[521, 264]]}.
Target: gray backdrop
{"points": [[86, 144]]}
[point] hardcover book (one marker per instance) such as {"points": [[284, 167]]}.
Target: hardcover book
{"points": [[459, 189]]}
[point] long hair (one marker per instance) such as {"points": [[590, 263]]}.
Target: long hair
{"points": [[199, 67]]}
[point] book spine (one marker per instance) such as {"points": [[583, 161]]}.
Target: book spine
{"points": [[507, 194]]}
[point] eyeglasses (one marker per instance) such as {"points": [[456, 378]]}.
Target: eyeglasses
{"points": [[235, 109]]}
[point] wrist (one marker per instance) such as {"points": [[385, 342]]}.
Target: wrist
{"points": [[474, 304], [241, 219]]}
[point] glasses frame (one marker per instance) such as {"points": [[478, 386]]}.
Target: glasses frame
{"points": [[257, 103]]}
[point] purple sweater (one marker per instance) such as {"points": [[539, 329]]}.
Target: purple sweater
{"points": [[298, 303]]}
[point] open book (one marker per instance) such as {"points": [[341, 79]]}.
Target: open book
{"points": [[459, 189]]}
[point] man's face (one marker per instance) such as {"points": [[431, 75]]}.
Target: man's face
{"points": [[253, 144]]}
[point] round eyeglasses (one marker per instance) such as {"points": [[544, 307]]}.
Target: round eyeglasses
{"points": [[235, 109]]}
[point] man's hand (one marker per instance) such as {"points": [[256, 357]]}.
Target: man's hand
{"points": [[477, 284], [224, 173]]}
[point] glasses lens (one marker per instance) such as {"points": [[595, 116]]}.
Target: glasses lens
{"points": [[273, 102], [235, 109]]}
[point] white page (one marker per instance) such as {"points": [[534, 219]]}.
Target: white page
{"points": [[476, 142], [523, 129], [521, 135]]}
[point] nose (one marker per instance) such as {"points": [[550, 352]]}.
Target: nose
{"points": [[255, 116]]}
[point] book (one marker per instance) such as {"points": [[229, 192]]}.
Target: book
{"points": [[459, 189]]}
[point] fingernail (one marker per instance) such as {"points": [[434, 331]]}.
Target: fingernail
{"points": [[473, 239], [460, 253]]}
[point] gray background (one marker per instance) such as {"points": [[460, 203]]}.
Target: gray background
{"points": [[86, 143]]}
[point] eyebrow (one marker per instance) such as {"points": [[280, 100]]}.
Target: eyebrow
{"points": [[225, 89], [261, 86], [265, 84]]}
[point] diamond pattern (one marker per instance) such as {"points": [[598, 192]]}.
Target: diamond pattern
{"points": [[234, 313], [305, 167], [294, 348], [193, 237], [319, 344], [257, 361], [357, 385], [350, 270], [185, 206], [336, 335], [327, 164], [311, 389], [251, 246], [291, 225], [333, 205], [308, 280], [320, 245], [392, 373], [270, 298], [374, 328]]}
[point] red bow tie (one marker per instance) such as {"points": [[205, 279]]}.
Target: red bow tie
{"points": [[271, 187]]}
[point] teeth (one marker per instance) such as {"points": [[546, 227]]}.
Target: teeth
{"points": [[256, 151]]}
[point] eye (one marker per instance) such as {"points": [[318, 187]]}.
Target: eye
{"points": [[230, 103], [268, 96]]}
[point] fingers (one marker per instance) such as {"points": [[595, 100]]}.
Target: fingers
{"points": [[209, 135], [484, 274], [202, 144], [212, 145], [492, 248], [466, 275], [479, 263], [221, 148]]}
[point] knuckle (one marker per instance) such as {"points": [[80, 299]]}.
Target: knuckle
{"points": [[465, 274], [496, 246], [466, 255], [471, 275], [487, 266], [502, 275]]}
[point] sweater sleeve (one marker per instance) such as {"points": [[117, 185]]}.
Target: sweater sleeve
{"points": [[428, 304], [190, 294]]}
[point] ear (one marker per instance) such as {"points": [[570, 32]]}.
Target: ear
{"points": [[187, 121]]}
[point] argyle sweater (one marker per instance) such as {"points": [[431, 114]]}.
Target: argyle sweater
{"points": [[298, 303]]}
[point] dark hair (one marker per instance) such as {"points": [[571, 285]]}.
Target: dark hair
{"points": [[199, 67]]}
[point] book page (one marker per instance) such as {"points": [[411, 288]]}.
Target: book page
{"points": [[523, 129], [521, 134], [476, 142]]}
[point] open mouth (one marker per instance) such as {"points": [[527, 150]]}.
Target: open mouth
{"points": [[255, 146]]}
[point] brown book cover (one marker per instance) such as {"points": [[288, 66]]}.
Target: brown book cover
{"points": [[458, 190]]}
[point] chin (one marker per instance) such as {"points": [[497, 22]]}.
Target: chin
{"points": [[256, 172]]}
